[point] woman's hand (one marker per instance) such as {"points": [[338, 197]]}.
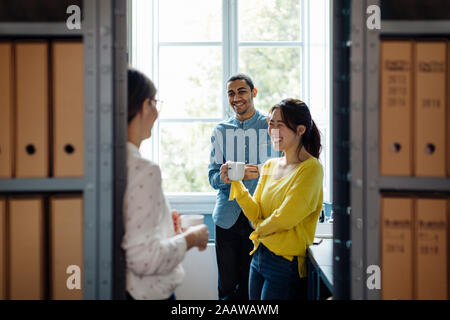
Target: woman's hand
{"points": [[176, 218], [197, 236], [251, 172]]}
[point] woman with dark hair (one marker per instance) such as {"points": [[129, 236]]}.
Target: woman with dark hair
{"points": [[153, 243], [285, 206]]}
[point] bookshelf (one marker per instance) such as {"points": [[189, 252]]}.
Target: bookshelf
{"points": [[39, 29], [418, 184], [366, 184], [42, 185], [415, 28], [103, 33]]}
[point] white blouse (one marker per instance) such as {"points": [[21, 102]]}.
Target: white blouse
{"points": [[153, 251]]}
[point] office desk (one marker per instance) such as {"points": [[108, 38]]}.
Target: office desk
{"points": [[320, 268]]}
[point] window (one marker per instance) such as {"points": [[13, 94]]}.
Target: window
{"points": [[190, 48]]}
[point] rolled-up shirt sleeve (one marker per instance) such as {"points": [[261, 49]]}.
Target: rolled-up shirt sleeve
{"points": [[150, 243]]}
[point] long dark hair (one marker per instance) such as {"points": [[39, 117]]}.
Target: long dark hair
{"points": [[140, 87], [295, 112]]}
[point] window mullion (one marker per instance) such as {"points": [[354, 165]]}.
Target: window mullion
{"points": [[155, 61], [190, 44], [258, 44], [230, 46], [234, 24], [226, 53], [189, 120], [305, 51]]}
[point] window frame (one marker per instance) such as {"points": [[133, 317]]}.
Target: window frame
{"points": [[190, 202]]}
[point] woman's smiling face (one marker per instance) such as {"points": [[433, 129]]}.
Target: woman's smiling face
{"points": [[282, 137]]}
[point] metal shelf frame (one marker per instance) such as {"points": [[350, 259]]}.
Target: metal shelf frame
{"points": [[365, 198], [42, 185], [40, 29], [357, 148], [120, 60], [105, 123], [416, 184], [341, 136], [415, 28], [103, 31]]}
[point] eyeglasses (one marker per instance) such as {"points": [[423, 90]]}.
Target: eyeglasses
{"points": [[158, 104]]}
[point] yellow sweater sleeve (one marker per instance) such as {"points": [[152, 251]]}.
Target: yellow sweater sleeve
{"points": [[250, 205], [299, 202]]}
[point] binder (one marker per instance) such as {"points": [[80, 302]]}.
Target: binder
{"points": [[6, 116], [448, 111], [430, 115], [68, 109], [396, 248], [431, 249], [26, 249], [32, 151], [396, 108], [66, 243], [2, 249]]}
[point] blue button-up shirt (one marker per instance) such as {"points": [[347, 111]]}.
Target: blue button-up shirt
{"points": [[244, 141]]}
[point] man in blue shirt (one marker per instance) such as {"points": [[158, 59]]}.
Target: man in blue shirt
{"points": [[242, 138]]}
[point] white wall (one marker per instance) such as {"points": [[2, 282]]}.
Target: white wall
{"points": [[200, 281]]}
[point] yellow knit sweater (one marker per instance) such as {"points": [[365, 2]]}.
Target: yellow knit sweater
{"points": [[284, 211]]}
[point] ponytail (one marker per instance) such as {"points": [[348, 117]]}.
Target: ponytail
{"points": [[311, 140], [295, 112]]}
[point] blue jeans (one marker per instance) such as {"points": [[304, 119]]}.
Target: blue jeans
{"points": [[273, 277]]}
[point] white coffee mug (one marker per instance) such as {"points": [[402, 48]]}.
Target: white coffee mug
{"points": [[236, 171], [189, 220]]}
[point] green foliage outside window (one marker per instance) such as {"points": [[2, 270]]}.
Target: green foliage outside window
{"points": [[276, 72]]}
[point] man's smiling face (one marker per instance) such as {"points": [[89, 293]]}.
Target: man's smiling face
{"points": [[240, 97]]}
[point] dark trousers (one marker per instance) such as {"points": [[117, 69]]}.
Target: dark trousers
{"points": [[233, 247]]}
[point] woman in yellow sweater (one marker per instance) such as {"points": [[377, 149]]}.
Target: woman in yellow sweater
{"points": [[286, 204]]}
